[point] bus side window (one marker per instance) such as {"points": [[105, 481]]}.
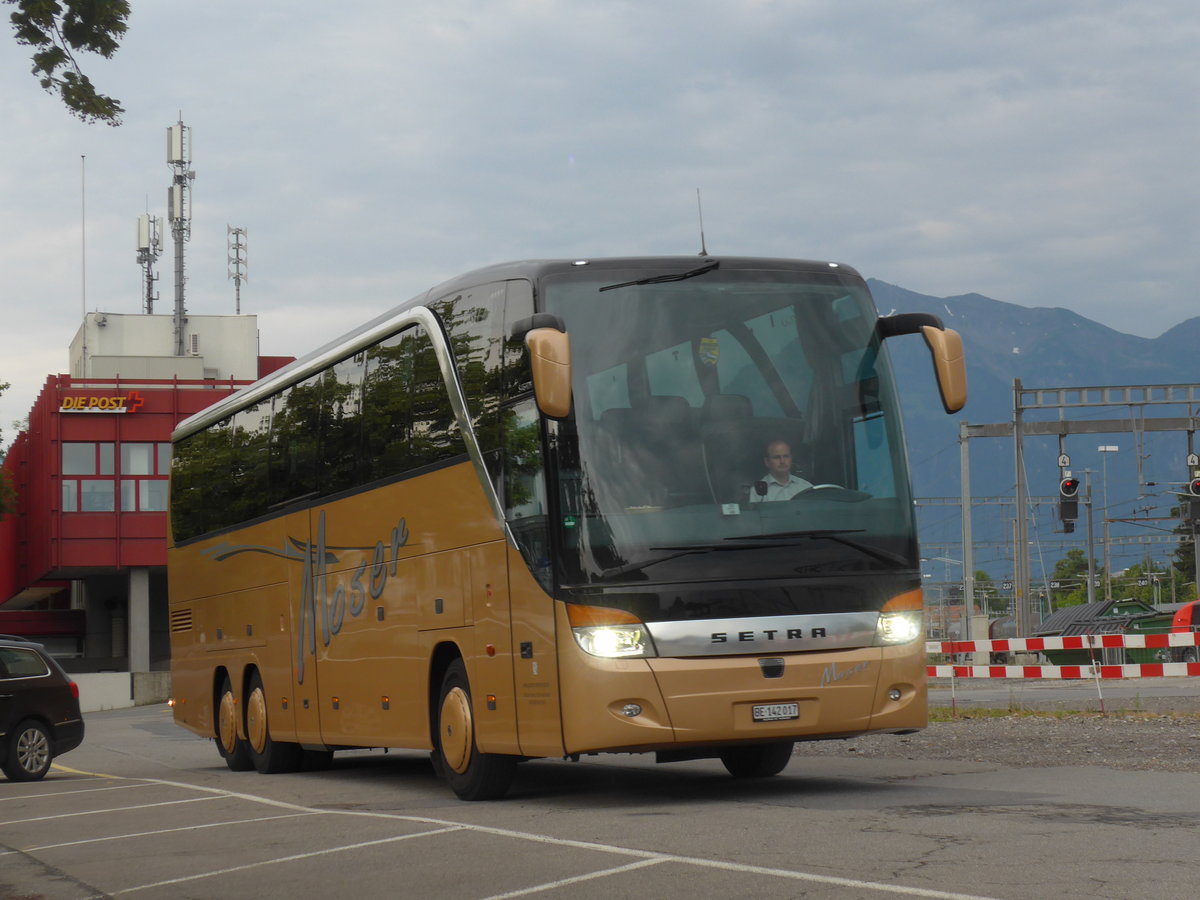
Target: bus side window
{"points": [[247, 469], [200, 482], [474, 321], [341, 425], [525, 487], [386, 407], [434, 436], [295, 430]]}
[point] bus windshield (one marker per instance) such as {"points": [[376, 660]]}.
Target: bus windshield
{"points": [[730, 422]]}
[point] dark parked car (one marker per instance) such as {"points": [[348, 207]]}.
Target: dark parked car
{"points": [[39, 710]]}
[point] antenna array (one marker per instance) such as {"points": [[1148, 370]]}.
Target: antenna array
{"points": [[149, 230], [179, 213], [235, 246]]}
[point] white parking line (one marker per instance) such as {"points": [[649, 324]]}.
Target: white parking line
{"points": [[563, 882], [141, 834], [646, 856], [281, 859], [45, 794], [102, 812]]}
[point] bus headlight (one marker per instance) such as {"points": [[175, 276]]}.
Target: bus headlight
{"points": [[609, 633], [899, 627], [614, 641]]}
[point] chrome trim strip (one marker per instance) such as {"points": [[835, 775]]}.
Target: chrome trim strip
{"points": [[772, 634]]}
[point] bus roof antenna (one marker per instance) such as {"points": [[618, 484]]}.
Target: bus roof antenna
{"points": [[700, 211]]}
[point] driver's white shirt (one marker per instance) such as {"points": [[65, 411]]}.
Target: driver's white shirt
{"points": [[777, 491]]}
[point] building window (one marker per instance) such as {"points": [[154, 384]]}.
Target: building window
{"points": [[90, 491], [87, 458], [148, 493], [96, 495], [143, 495]]}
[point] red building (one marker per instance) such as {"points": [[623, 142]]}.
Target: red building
{"points": [[83, 560]]}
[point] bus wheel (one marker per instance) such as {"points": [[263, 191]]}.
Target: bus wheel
{"points": [[472, 775], [269, 756], [234, 750], [757, 760]]}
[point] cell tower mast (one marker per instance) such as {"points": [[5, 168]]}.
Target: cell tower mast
{"points": [[179, 213], [149, 249], [236, 247]]}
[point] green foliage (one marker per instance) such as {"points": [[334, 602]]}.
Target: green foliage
{"points": [[56, 30], [1071, 573]]}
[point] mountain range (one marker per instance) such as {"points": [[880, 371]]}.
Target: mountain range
{"points": [[1044, 348]]}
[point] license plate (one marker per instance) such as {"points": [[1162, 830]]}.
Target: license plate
{"points": [[776, 712]]}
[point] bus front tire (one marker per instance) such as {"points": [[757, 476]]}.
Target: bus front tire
{"points": [[234, 750], [757, 760], [472, 775], [268, 755]]}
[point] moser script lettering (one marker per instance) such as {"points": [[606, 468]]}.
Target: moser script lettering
{"points": [[328, 597], [831, 673]]}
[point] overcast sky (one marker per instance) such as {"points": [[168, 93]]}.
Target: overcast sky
{"points": [[1040, 153]]}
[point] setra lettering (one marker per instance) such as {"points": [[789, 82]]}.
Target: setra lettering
{"points": [[767, 634]]}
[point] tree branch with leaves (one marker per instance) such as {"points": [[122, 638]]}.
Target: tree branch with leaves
{"points": [[57, 31]]}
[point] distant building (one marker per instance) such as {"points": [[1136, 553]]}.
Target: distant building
{"points": [[83, 560]]}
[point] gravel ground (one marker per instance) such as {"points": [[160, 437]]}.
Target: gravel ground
{"points": [[1144, 742], [1146, 735]]}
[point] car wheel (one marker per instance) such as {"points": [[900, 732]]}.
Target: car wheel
{"points": [[757, 760], [29, 752], [472, 775], [268, 755], [234, 750]]}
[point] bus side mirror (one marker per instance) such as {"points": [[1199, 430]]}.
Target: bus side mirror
{"points": [[945, 346], [550, 360], [949, 365]]}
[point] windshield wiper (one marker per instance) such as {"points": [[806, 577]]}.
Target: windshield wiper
{"points": [[686, 550], [662, 279], [836, 535], [764, 542]]}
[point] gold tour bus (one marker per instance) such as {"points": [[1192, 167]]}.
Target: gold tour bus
{"points": [[555, 508]]}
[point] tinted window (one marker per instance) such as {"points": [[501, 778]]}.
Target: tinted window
{"points": [[21, 663], [386, 406], [295, 430], [342, 425]]}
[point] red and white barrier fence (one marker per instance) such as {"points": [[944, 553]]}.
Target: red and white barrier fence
{"points": [[1129, 670], [1093, 642]]}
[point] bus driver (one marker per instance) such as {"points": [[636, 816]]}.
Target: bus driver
{"points": [[779, 482]]}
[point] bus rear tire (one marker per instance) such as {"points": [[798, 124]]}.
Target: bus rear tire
{"points": [[757, 760], [269, 756], [234, 750], [472, 775]]}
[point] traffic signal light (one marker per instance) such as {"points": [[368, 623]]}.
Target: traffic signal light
{"points": [[1194, 487], [1068, 505]]}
